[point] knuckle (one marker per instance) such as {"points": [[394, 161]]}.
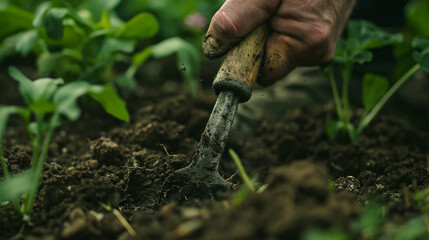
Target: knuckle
{"points": [[318, 37], [224, 25]]}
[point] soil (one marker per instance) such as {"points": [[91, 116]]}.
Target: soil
{"points": [[312, 182]]}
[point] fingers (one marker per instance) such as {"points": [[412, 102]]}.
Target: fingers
{"points": [[294, 43], [233, 21]]}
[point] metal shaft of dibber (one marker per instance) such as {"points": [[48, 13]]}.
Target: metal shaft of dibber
{"points": [[215, 135]]}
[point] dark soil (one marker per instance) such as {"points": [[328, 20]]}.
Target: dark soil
{"points": [[313, 183]]}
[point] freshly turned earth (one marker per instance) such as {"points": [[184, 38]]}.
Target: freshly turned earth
{"points": [[313, 183]]}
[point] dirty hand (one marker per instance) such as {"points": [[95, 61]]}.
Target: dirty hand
{"points": [[305, 32]]}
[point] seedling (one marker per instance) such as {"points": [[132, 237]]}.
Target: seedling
{"points": [[362, 37], [87, 43], [46, 100]]}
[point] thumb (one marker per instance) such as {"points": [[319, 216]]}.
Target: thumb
{"points": [[233, 21]]}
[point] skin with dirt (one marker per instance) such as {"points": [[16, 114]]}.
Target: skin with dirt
{"points": [[97, 162]]}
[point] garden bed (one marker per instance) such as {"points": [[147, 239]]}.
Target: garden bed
{"points": [[98, 164]]}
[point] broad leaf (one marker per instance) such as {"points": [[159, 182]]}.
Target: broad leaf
{"points": [[26, 42], [111, 46], [17, 185], [13, 20], [373, 88], [111, 102], [187, 58], [417, 14], [140, 57], [362, 36], [66, 100], [141, 26], [53, 22], [369, 36], [421, 55], [40, 13], [25, 84], [98, 6], [39, 90], [5, 112]]}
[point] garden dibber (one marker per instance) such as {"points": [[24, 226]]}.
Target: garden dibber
{"points": [[233, 85]]}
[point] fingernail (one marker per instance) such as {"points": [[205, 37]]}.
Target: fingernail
{"points": [[212, 46]]}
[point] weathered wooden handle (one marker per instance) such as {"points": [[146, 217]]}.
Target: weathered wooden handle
{"points": [[239, 71]]}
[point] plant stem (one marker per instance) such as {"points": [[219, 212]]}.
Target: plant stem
{"points": [[337, 100], [241, 170], [374, 111], [41, 161], [346, 73]]}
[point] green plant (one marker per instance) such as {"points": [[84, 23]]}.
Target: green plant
{"points": [[363, 36], [46, 100], [87, 41]]}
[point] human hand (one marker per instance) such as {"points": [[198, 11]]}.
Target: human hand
{"points": [[304, 32]]}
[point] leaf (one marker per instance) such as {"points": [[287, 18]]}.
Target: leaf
{"points": [[140, 57], [421, 54], [373, 88], [111, 46], [25, 84], [53, 22], [41, 89], [369, 36], [141, 26], [66, 99], [5, 112], [125, 82], [417, 15], [362, 36], [26, 42], [112, 103], [98, 6], [40, 13], [13, 20], [17, 185], [333, 128], [187, 56]]}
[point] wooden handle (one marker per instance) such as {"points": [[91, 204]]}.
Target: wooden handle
{"points": [[242, 64]]}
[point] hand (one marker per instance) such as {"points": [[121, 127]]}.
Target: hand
{"points": [[305, 32]]}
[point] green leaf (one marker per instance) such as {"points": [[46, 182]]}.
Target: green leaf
{"points": [[5, 112], [25, 84], [40, 89], [98, 6], [373, 88], [333, 128], [368, 36], [40, 13], [362, 36], [140, 57], [17, 185], [421, 55], [111, 102], [187, 56], [53, 22], [111, 46], [66, 99], [26, 42], [325, 235], [13, 20], [125, 82], [417, 15], [141, 26]]}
